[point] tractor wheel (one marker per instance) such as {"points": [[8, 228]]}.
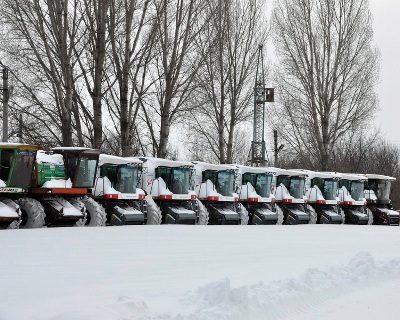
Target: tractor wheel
{"points": [[244, 215], [279, 211], [203, 213], [78, 203], [313, 215], [95, 213], [370, 216], [341, 212], [32, 213], [153, 211]]}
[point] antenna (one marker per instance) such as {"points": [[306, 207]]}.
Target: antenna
{"points": [[261, 95]]}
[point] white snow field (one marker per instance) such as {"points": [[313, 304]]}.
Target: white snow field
{"points": [[201, 272]]}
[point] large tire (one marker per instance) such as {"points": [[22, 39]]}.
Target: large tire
{"points": [[14, 206], [370, 216], [32, 212], [341, 212], [153, 211], [95, 213], [244, 215], [78, 203], [279, 211], [313, 215], [203, 213]]}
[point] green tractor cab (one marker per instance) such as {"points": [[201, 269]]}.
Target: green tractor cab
{"points": [[17, 162]]}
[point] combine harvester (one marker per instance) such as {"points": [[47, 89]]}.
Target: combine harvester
{"points": [[289, 196], [17, 162], [62, 183], [351, 195], [322, 197], [215, 187], [117, 189], [254, 189], [169, 198], [377, 194]]}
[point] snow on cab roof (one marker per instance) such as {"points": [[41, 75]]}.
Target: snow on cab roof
{"points": [[44, 157], [321, 174], [353, 176], [287, 172], [74, 149], [244, 169], [156, 162], [379, 176], [111, 159], [216, 167], [11, 145]]}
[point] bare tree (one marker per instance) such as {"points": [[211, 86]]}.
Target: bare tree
{"points": [[47, 31], [225, 81], [327, 70], [174, 66]]}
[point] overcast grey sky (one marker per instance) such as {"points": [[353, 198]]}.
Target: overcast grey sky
{"points": [[386, 35]]}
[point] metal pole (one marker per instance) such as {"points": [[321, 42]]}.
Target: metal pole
{"points": [[5, 105], [276, 148]]}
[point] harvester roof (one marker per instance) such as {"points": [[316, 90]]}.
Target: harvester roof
{"points": [[159, 162], [110, 159], [245, 169], [287, 172], [353, 176], [21, 146], [216, 167], [379, 177]]}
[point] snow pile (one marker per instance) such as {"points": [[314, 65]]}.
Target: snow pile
{"points": [[220, 300], [2, 183], [282, 193], [206, 189], [158, 187], [58, 183], [43, 157]]}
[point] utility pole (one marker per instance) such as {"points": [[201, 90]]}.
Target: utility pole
{"points": [[276, 148], [5, 104], [261, 95]]}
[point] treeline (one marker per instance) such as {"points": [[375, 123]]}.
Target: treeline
{"points": [[126, 76]]}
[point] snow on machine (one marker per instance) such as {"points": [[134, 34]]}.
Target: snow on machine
{"points": [[63, 178], [117, 189], [254, 190], [321, 194], [353, 203], [377, 194], [169, 198], [16, 167], [215, 187], [289, 196]]}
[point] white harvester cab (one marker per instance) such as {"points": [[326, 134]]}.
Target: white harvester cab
{"points": [[289, 188], [351, 195], [215, 187], [170, 199], [322, 196], [377, 193], [117, 189], [255, 194]]}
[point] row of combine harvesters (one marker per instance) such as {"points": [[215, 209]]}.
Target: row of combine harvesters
{"points": [[82, 187]]}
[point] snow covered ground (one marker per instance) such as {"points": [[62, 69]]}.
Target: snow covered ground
{"points": [[201, 272]]}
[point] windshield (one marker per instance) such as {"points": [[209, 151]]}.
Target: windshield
{"points": [[296, 188], [381, 188], [330, 189], [226, 182], [123, 178], [22, 171], [357, 190], [177, 180], [260, 181], [86, 171]]}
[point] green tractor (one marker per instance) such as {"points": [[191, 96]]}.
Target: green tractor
{"points": [[17, 162], [62, 183]]}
